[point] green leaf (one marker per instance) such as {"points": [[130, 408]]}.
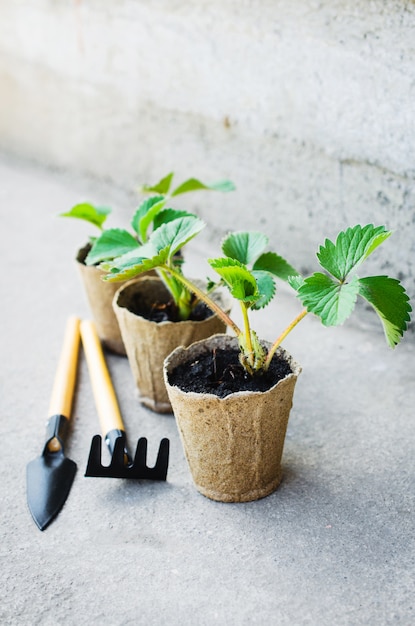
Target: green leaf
{"points": [[331, 301], [112, 243], [390, 301], [145, 251], [352, 247], [296, 282], [240, 281], [134, 267], [276, 265], [211, 285], [131, 258], [145, 214], [175, 234], [162, 187], [266, 288], [168, 215], [95, 215], [222, 185], [244, 246], [193, 184]]}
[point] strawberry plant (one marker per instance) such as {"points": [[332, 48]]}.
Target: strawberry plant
{"points": [[250, 272], [150, 215]]}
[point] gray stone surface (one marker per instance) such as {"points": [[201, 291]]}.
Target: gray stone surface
{"points": [[334, 544]]}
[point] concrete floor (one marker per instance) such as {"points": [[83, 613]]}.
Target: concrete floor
{"points": [[333, 546]]}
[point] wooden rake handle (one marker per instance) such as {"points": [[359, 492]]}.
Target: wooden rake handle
{"points": [[103, 390], [65, 377]]}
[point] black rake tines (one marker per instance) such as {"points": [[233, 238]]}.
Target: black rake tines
{"points": [[121, 465]]}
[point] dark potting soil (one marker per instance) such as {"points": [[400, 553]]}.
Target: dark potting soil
{"points": [[165, 311], [219, 372]]}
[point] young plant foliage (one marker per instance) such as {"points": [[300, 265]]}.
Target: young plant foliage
{"points": [[159, 253], [352, 247], [332, 301], [145, 216], [112, 243], [247, 250], [148, 217], [391, 303], [333, 297], [250, 272], [95, 215], [191, 184]]}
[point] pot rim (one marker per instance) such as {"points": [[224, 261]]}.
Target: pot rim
{"points": [[81, 261], [143, 278], [295, 367]]}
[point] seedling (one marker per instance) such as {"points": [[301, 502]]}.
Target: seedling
{"points": [[249, 272], [161, 252], [150, 215]]}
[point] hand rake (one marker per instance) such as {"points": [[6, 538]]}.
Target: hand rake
{"points": [[112, 426]]}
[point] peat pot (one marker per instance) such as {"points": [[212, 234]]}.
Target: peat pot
{"points": [[100, 295], [147, 343], [234, 444]]}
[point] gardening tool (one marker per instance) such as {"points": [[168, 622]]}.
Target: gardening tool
{"points": [[49, 478], [112, 426]]}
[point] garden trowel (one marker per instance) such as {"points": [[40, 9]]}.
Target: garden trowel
{"points": [[50, 476]]}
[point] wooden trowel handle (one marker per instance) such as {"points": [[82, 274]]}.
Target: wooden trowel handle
{"points": [[104, 394], [65, 377]]}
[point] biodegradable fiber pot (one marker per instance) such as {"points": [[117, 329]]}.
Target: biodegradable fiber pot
{"points": [[100, 295], [147, 343], [234, 444]]}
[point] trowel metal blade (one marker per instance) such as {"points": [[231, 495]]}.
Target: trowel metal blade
{"points": [[49, 480]]}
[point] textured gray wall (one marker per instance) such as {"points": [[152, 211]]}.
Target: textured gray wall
{"points": [[308, 106]]}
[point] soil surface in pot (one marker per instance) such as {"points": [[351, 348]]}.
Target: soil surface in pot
{"points": [[83, 253], [164, 311], [219, 372]]}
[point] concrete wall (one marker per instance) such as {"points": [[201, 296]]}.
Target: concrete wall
{"points": [[307, 105]]}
